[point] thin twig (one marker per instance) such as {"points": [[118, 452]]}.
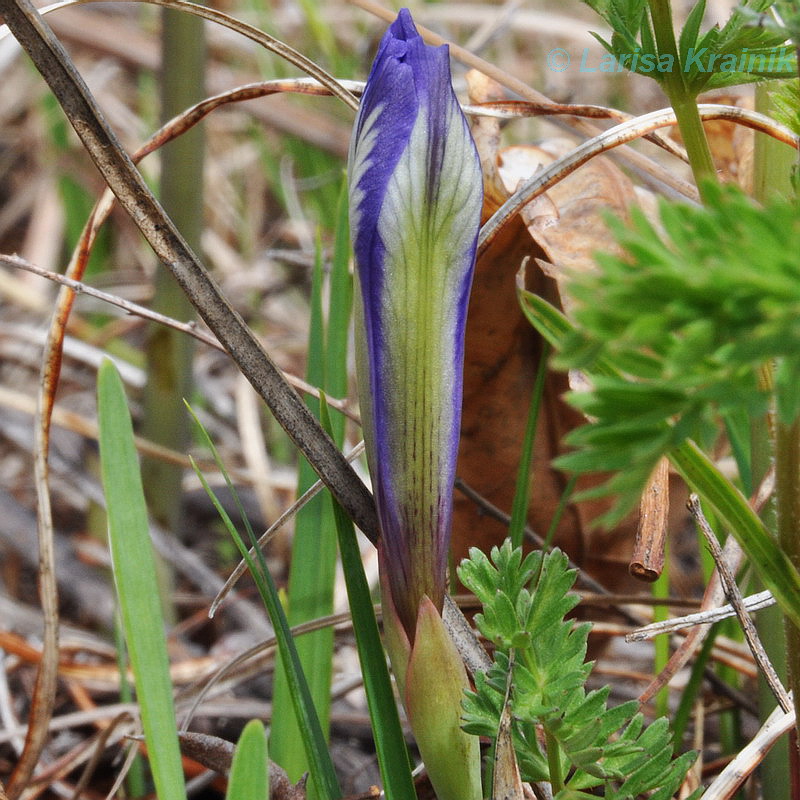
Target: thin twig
{"points": [[735, 596], [191, 328], [516, 109], [44, 693], [712, 597], [207, 682], [268, 42], [754, 602]]}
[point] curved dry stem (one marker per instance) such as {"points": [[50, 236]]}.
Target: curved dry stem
{"points": [[748, 758], [208, 682], [516, 109], [44, 692], [47, 675], [614, 137], [249, 31]]}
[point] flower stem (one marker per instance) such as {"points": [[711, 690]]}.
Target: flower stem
{"points": [[681, 98], [695, 141], [554, 762]]}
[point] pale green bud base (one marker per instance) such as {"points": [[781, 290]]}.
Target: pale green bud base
{"points": [[431, 677]]}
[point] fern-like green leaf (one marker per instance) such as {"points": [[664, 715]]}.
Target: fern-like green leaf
{"points": [[591, 746], [704, 304]]}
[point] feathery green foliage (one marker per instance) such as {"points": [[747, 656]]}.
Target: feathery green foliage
{"points": [[588, 745], [786, 98], [688, 317]]}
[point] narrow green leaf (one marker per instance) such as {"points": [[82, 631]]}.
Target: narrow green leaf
{"points": [[519, 508], [311, 576], [770, 562], [686, 706], [313, 561], [137, 587], [554, 326], [544, 316], [313, 740], [337, 339], [390, 745], [249, 771]]}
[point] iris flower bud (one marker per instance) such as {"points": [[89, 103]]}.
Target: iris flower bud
{"points": [[415, 202]]}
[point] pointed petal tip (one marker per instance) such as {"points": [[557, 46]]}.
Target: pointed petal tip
{"points": [[403, 27]]}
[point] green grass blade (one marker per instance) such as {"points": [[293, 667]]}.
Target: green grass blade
{"points": [[311, 578], [544, 316], [390, 745], [314, 548], [519, 507], [137, 586], [248, 778], [661, 646], [554, 326], [683, 714], [312, 737], [770, 562], [339, 312]]}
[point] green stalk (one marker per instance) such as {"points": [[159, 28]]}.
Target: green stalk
{"points": [[682, 101], [390, 747], [772, 165], [787, 493], [169, 352], [313, 564], [660, 590], [311, 579], [772, 160], [554, 762], [320, 765]]}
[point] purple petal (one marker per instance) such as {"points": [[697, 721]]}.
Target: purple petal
{"points": [[416, 195]]}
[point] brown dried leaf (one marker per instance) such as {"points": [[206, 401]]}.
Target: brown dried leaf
{"points": [[503, 351], [580, 201]]}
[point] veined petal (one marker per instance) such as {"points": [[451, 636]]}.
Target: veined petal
{"points": [[415, 198]]}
